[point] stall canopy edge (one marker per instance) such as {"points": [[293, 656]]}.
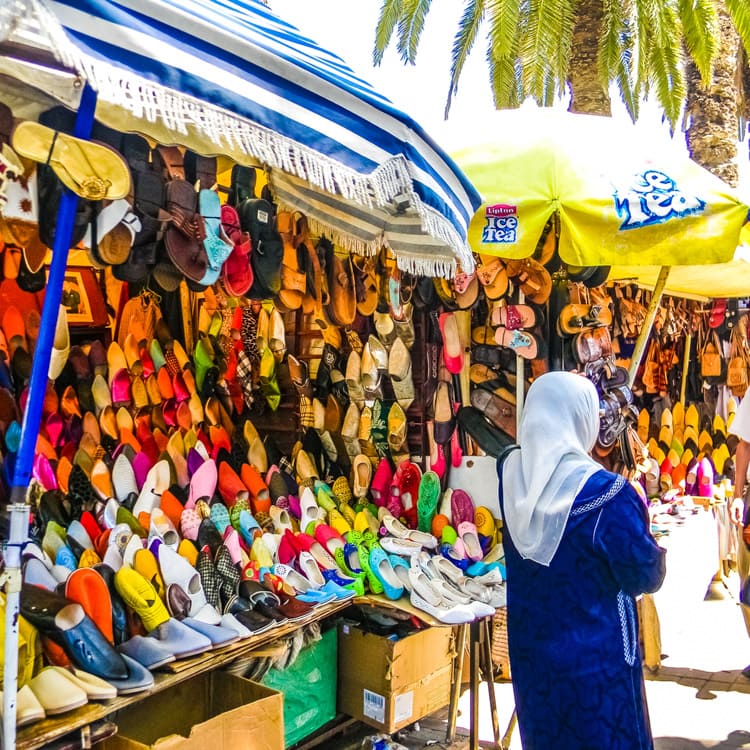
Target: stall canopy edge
{"points": [[246, 84]]}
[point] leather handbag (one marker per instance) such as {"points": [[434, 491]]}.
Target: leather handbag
{"points": [[711, 360], [737, 375]]}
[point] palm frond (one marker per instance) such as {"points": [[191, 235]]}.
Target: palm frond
{"points": [[548, 21], [463, 42], [561, 59], [390, 13], [666, 64], [739, 10], [615, 55], [505, 20], [645, 13], [505, 80], [700, 28], [410, 27]]}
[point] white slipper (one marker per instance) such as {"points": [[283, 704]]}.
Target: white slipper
{"points": [[56, 693]]}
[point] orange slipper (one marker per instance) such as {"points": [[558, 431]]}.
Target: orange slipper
{"points": [[231, 487], [87, 587], [164, 381], [260, 497], [171, 507]]}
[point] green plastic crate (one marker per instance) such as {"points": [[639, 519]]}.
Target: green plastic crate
{"points": [[314, 673]]}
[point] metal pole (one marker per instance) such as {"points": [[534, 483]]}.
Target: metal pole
{"points": [[461, 637], [19, 510], [520, 380], [474, 656], [648, 323]]}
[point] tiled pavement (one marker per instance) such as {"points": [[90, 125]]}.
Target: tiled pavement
{"points": [[697, 698]]}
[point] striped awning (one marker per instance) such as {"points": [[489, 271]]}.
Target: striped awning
{"points": [[230, 77]]}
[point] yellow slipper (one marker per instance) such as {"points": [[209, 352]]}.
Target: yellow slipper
{"points": [[338, 522], [140, 595], [692, 418], [719, 425], [145, 563], [705, 442], [92, 170], [687, 456], [484, 521], [189, 551], [666, 418], [644, 419], [678, 415], [665, 435]]}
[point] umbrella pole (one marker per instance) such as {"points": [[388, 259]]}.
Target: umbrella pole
{"points": [[18, 508], [685, 366], [648, 324], [520, 379]]}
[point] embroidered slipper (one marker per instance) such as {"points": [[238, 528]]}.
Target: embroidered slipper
{"points": [[526, 344], [514, 317], [217, 245]]}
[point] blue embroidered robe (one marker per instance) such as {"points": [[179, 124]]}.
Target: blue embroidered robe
{"points": [[573, 628]]}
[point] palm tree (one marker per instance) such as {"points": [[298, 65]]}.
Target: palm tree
{"points": [[713, 112], [538, 48]]}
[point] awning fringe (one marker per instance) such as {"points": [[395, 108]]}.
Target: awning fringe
{"points": [[179, 112]]}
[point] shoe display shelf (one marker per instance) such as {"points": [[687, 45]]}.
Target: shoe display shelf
{"points": [[48, 730]]}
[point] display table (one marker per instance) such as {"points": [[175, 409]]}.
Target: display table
{"points": [[39, 734]]}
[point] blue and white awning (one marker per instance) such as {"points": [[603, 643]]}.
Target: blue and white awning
{"points": [[230, 77]]}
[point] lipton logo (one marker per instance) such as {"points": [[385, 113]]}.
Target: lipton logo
{"points": [[501, 224], [501, 209]]}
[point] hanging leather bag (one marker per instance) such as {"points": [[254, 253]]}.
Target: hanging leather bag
{"points": [[737, 375], [712, 363]]}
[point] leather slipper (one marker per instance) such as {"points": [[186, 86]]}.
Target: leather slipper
{"points": [[185, 231], [91, 170], [215, 242]]}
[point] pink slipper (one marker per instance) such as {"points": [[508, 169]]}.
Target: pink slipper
{"points": [[467, 532], [462, 508], [189, 524], [453, 354], [202, 483], [44, 473], [381, 482], [120, 388], [141, 466]]}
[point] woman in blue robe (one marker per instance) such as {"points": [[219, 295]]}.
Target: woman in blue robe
{"points": [[578, 551]]}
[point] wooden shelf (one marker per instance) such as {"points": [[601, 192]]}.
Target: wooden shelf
{"points": [[42, 732]]}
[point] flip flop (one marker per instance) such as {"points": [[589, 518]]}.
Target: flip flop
{"points": [[514, 317], [526, 344], [91, 170], [217, 247]]}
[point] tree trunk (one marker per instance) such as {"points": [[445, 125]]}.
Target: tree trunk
{"points": [[713, 112], [588, 95]]}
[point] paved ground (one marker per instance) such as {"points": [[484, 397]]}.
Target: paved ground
{"points": [[697, 697]]}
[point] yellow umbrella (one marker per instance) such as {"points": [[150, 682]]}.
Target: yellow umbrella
{"points": [[625, 196], [731, 279]]}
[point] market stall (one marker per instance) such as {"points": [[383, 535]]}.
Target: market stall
{"points": [[281, 250]]}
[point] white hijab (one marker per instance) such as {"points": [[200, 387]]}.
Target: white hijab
{"points": [[559, 427]]}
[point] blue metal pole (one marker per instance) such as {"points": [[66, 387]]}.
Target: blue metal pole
{"points": [[18, 508]]}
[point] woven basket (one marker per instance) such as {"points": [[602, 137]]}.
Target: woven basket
{"points": [[500, 643]]}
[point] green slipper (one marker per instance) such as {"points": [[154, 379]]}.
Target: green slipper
{"points": [[427, 500]]}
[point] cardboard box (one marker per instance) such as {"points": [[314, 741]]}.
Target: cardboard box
{"points": [[389, 684], [212, 710]]}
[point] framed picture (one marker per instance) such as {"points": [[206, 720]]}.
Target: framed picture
{"points": [[75, 299], [82, 297]]}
